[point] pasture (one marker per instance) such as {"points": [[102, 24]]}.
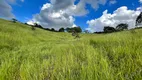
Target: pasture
{"points": [[27, 54]]}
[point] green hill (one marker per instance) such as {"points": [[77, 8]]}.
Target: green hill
{"points": [[27, 54]]}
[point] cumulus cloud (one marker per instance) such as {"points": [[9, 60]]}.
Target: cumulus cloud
{"points": [[30, 22], [50, 18], [61, 4], [78, 10], [121, 15], [60, 13], [54, 15], [139, 9], [5, 10], [74, 25], [95, 3]]}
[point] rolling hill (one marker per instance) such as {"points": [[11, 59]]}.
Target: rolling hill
{"points": [[27, 54]]}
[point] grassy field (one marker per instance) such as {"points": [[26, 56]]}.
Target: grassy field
{"points": [[27, 54]]}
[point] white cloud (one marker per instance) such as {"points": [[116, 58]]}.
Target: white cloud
{"points": [[54, 15], [60, 13], [140, 1], [61, 4], [77, 10], [80, 8], [50, 18], [139, 9], [74, 25], [121, 15], [45, 6], [95, 3], [5, 10], [30, 22]]}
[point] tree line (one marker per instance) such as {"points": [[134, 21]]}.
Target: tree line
{"points": [[72, 29], [119, 27], [107, 29]]}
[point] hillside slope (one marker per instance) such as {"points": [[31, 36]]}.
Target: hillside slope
{"points": [[27, 54]]}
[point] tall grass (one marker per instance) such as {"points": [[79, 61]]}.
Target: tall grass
{"points": [[41, 55]]}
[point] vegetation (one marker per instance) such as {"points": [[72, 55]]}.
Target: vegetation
{"points": [[27, 54], [74, 29], [37, 25], [61, 30], [121, 27], [75, 34], [139, 19], [109, 29], [14, 20]]}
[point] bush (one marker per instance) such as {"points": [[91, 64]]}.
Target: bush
{"points": [[121, 27], [14, 20], [76, 29], [109, 29], [61, 30]]}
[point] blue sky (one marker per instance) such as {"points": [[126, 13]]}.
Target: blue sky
{"points": [[30, 10]]}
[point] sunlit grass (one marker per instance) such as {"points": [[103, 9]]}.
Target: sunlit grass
{"points": [[42, 55]]}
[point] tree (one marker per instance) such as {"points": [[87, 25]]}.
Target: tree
{"points": [[139, 19], [26, 23], [121, 27], [61, 30], [77, 29], [14, 20], [69, 30], [38, 26], [74, 29], [47, 29], [52, 29], [108, 29]]}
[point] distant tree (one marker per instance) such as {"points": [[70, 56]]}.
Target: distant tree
{"points": [[74, 29], [74, 33], [77, 29], [47, 29], [139, 19], [138, 28], [61, 30], [99, 32], [35, 25], [52, 29], [108, 29], [14, 20], [38, 25], [26, 23], [121, 27], [69, 30]]}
